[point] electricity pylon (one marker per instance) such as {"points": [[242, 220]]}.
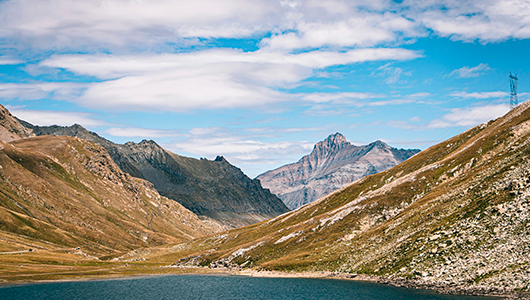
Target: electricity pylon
{"points": [[513, 90]]}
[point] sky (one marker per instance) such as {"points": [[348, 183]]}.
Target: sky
{"points": [[260, 82]]}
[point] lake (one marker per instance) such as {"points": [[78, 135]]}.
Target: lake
{"points": [[218, 287]]}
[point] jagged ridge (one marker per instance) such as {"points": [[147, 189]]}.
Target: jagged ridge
{"points": [[332, 164], [214, 189]]}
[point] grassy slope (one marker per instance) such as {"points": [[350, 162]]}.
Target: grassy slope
{"points": [[456, 212], [62, 192]]}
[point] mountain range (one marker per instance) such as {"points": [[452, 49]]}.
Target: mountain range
{"points": [[454, 217], [332, 164], [213, 189]]}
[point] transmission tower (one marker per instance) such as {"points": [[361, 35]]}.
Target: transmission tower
{"points": [[513, 90]]}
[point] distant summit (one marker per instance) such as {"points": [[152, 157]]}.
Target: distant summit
{"points": [[333, 163]]}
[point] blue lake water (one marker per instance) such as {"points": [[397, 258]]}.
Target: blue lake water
{"points": [[218, 287]]}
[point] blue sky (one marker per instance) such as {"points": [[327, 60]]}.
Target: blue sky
{"points": [[261, 81]]}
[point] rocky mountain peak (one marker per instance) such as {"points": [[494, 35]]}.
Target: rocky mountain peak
{"points": [[331, 143], [379, 144], [148, 142], [10, 128], [333, 163]]}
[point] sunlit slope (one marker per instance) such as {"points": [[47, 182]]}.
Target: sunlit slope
{"points": [[456, 212], [67, 192]]}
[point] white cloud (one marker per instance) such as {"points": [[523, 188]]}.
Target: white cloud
{"points": [[49, 117], [401, 124], [470, 72], [243, 150], [468, 117], [340, 97], [118, 24], [420, 95], [393, 74], [63, 23], [485, 20], [33, 91], [361, 30], [204, 79], [141, 132], [479, 95], [327, 102], [10, 61], [391, 102]]}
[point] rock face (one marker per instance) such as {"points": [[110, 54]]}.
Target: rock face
{"points": [[10, 128], [212, 189], [454, 217], [332, 164]]}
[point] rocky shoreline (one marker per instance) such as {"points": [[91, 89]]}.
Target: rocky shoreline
{"points": [[442, 288]]}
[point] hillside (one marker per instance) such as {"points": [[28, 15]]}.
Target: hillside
{"points": [[69, 193], [455, 216], [333, 164], [212, 189]]}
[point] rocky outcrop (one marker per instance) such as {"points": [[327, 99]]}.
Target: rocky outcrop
{"points": [[215, 190], [10, 128], [333, 164]]}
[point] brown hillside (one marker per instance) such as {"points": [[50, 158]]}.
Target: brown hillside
{"points": [[58, 192], [456, 214]]}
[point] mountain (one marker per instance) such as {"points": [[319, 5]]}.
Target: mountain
{"points": [[215, 190], [64, 192], [332, 164], [454, 217], [10, 128]]}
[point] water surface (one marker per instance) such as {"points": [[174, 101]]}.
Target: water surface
{"points": [[219, 287]]}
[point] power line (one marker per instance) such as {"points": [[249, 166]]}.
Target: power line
{"points": [[513, 90]]}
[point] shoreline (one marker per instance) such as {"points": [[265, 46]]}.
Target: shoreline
{"points": [[446, 289], [440, 288]]}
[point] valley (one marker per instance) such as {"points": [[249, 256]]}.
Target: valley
{"points": [[453, 218]]}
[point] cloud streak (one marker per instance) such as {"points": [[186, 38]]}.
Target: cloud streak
{"points": [[34, 91], [471, 72], [49, 117], [468, 117], [243, 150], [479, 95], [486, 21], [210, 79], [137, 132]]}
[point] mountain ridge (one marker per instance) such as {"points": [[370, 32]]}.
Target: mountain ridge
{"points": [[333, 163], [69, 192], [215, 190]]}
